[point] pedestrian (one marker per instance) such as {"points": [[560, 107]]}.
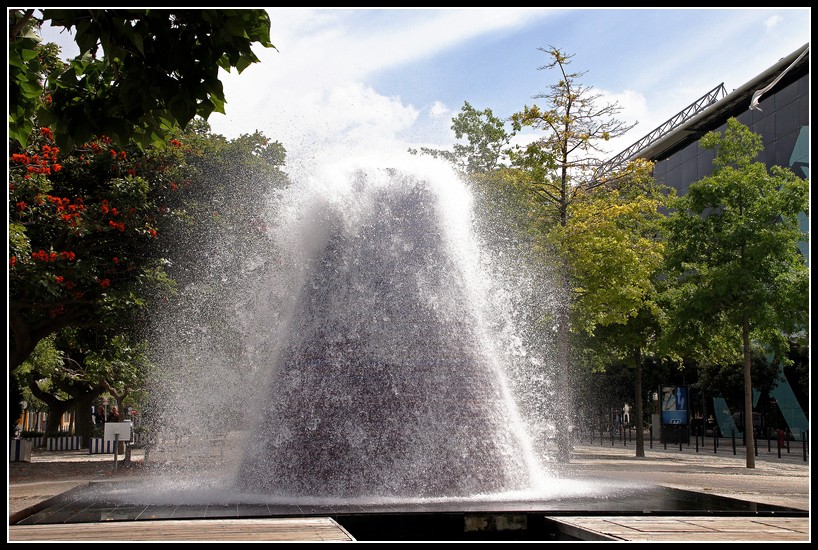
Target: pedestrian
{"points": [[113, 416]]}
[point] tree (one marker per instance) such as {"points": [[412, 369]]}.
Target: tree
{"points": [[486, 138], [740, 279], [83, 201], [614, 252], [81, 230], [560, 165], [139, 74]]}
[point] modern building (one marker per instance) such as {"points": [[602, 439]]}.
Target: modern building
{"points": [[775, 105]]}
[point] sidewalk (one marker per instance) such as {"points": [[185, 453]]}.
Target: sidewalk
{"points": [[775, 481], [51, 473]]}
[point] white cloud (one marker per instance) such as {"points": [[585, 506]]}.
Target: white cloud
{"points": [[310, 91], [773, 21], [438, 110]]}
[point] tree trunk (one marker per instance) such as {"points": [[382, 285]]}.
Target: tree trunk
{"points": [[563, 382], [748, 395], [84, 420], [56, 409], [640, 429]]}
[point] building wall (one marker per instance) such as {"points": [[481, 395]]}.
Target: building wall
{"points": [[783, 124]]}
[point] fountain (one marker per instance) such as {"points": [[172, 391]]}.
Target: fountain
{"points": [[385, 385], [375, 355]]}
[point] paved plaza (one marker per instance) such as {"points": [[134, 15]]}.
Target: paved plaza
{"points": [[775, 482]]}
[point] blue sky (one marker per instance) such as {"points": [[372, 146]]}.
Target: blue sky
{"points": [[393, 78]]}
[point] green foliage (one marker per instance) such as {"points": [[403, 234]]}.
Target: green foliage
{"points": [[614, 249], [734, 251], [574, 126], [140, 72], [486, 137]]}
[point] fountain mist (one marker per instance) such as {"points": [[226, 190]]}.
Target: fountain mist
{"points": [[375, 352]]}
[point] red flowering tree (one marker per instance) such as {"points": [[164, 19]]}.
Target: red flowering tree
{"points": [[82, 233]]}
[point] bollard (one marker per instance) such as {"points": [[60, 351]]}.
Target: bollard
{"points": [[804, 444], [650, 432], [734, 440], [755, 444], [768, 439], [779, 444], [679, 435], [787, 439], [697, 442], [715, 440]]}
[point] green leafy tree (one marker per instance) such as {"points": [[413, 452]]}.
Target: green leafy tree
{"points": [[560, 165], [140, 73], [70, 370], [740, 280], [614, 252], [486, 138]]}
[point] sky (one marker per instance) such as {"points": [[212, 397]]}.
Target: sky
{"points": [[366, 80]]}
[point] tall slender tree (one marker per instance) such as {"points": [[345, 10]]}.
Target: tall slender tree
{"points": [[561, 164], [741, 280]]}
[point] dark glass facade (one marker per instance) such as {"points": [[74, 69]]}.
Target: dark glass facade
{"points": [[782, 123]]}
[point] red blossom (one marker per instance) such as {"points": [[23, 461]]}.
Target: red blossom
{"points": [[40, 255], [105, 283], [12, 261]]}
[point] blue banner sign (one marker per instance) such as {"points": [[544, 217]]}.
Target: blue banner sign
{"points": [[674, 405]]}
